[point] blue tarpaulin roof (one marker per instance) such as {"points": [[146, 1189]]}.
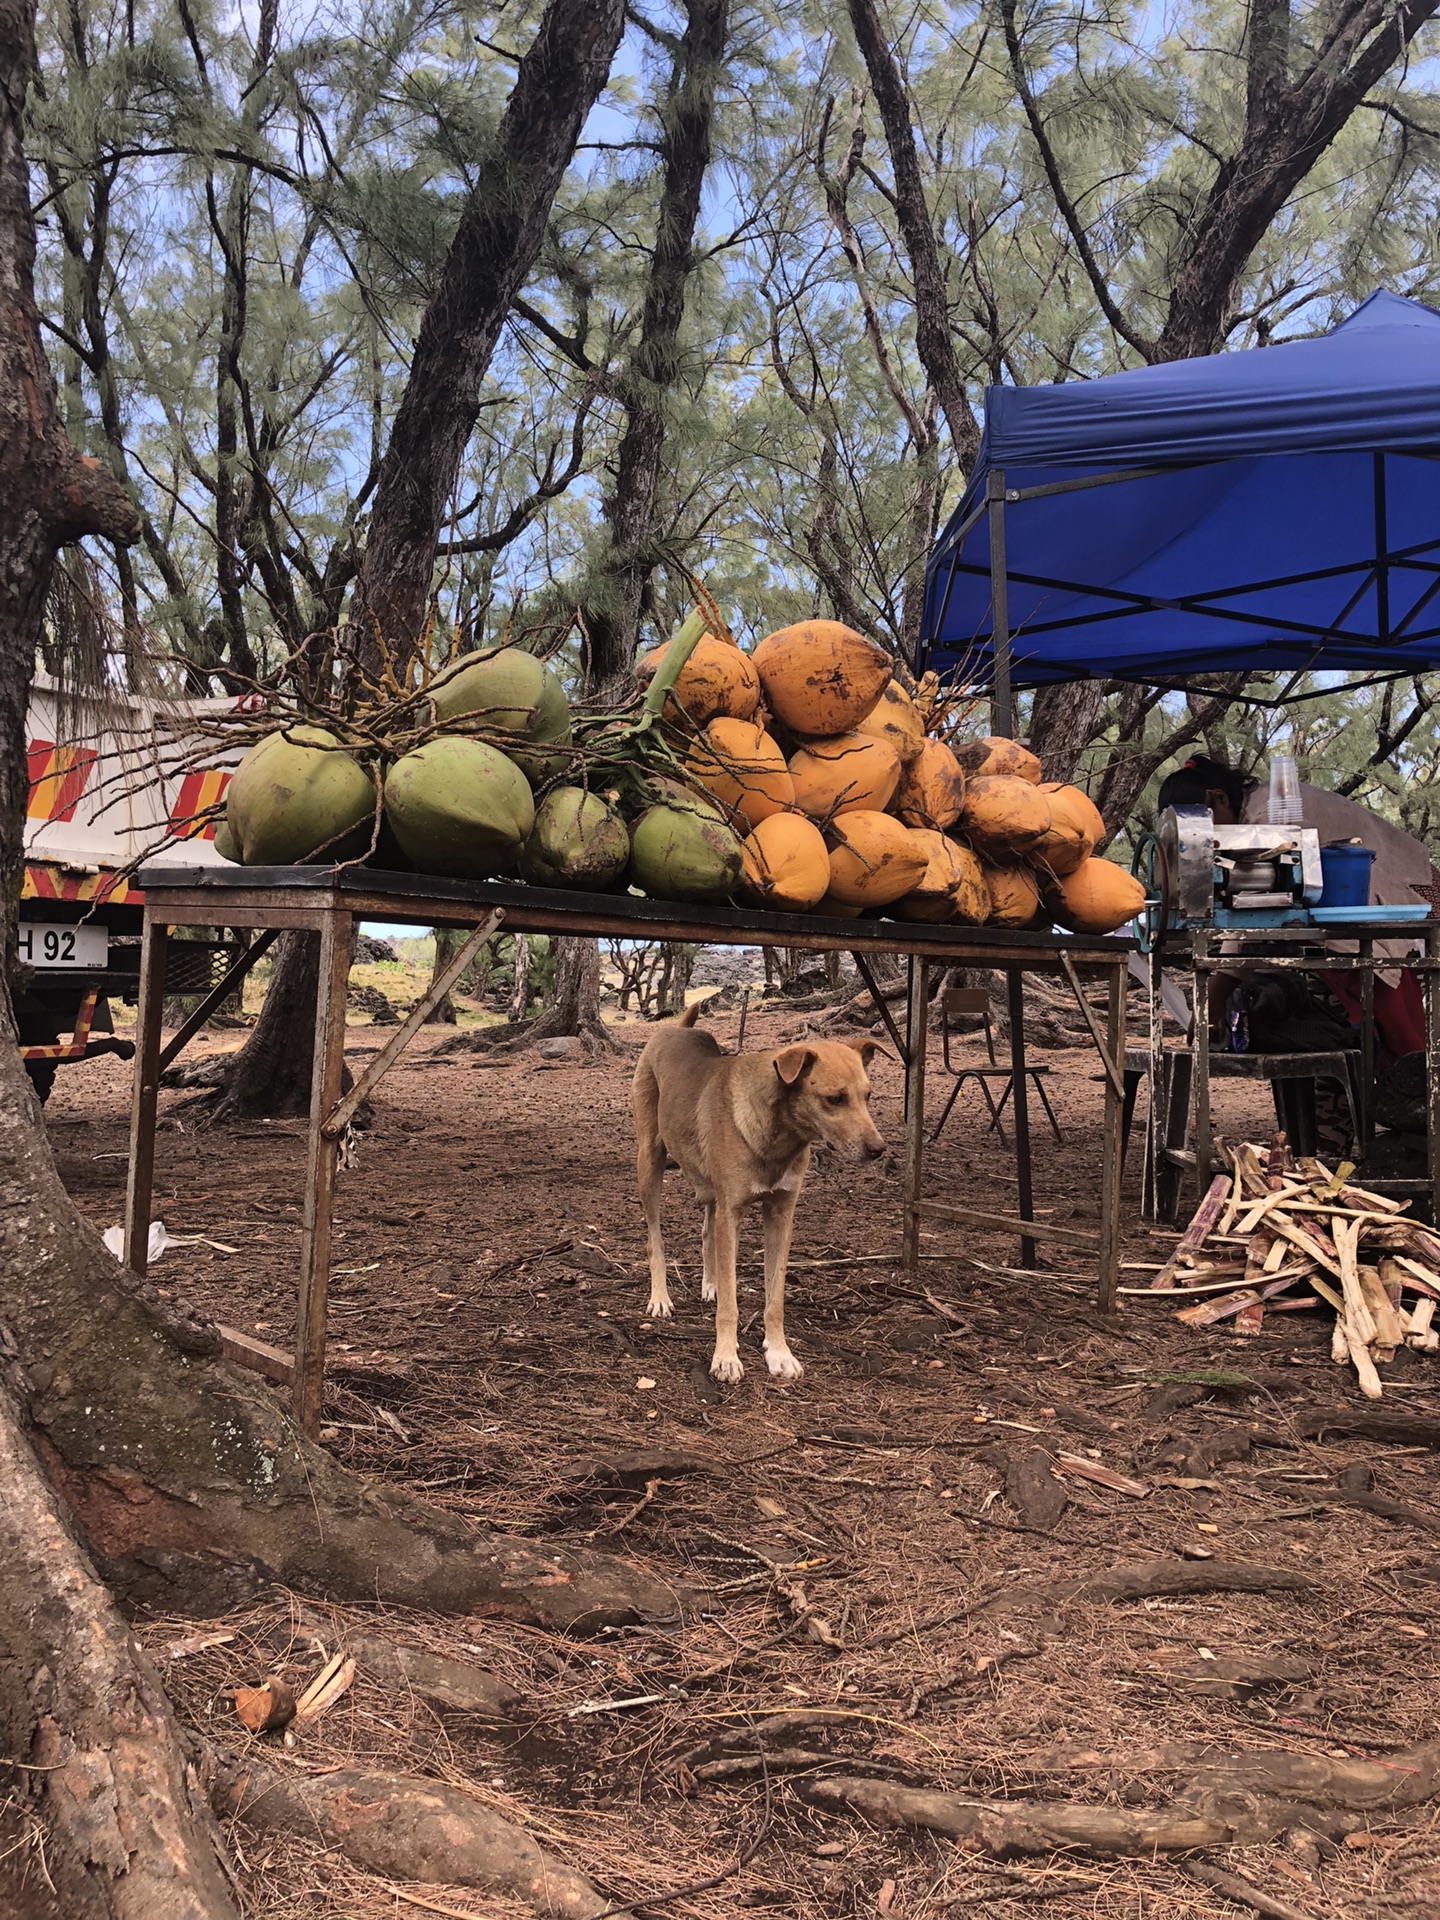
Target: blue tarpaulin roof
{"points": [[1287, 515]]}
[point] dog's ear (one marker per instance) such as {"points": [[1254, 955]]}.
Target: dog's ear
{"points": [[867, 1049], [793, 1064]]}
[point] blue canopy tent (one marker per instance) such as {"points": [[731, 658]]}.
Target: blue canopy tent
{"points": [[1269, 511]]}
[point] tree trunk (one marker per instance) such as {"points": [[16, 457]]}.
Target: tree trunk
{"points": [[934, 337], [271, 1073], [573, 1008], [1063, 723], [614, 603], [494, 248], [102, 1760], [1289, 124], [520, 983], [447, 944], [499, 236]]}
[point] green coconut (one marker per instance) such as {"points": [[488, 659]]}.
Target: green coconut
{"points": [[459, 807], [516, 693], [296, 794], [225, 842], [682, 849], [578, 841]]}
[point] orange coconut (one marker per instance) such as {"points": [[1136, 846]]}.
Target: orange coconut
{"points": [[850, 772], [821, 678], [972, 896], [717, 679], [1014, 896], [1075, 828], [832, 909], [740, 764], [983, 758], [932, 788], [1098, 897], [1004, 818], [874, 860], [896, 719], [934, 898], [787, 864]]}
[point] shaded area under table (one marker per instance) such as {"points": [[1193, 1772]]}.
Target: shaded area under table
{"points": [[329, 902]]}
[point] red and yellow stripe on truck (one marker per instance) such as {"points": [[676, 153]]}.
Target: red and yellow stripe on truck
{"points": [[45, 882]]}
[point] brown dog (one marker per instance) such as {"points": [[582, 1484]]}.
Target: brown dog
{"points": [[740, 1127]]}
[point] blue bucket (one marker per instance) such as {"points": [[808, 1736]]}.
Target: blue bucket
{"points": [[1346, 872]]}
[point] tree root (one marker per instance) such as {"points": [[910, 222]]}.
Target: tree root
{"points": [[1156, 1578], [1403, 1429], [408, 1829], [104, 1756], [1242, 1799], [367, 1544]]}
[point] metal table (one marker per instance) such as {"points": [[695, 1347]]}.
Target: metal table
{"points": [[329, 902], [1204, 952]]}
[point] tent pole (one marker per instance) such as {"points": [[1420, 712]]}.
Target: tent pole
{"points": [[1002, 701]]}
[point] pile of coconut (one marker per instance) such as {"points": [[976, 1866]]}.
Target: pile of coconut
{"points": [[799, 778], [817, 754]]}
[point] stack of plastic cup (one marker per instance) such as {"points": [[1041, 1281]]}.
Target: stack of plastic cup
{"points": [[1285, 809]]}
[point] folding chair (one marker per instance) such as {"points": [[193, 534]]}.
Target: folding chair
{"points": [[965, 1003]]}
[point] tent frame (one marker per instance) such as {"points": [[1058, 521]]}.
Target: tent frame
{"points": [[998, 495], [991, 507]]}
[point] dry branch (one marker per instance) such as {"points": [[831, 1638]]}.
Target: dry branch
{"points": [[1151, 1579]]}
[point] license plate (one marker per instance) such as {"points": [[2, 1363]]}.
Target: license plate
{"points": [[42, 946]]}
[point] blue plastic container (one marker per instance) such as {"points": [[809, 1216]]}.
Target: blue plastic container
{"points": [[1346, 873]]}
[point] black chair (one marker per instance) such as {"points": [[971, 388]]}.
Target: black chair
{"points": [[1293, 1078], [966, 1003]]}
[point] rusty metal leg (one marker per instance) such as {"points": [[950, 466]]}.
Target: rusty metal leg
{"points": [[322, 1159], [145, 1097], [1365, 1130], [1112, 1153], [1020, 1086], [917, 1032], [1200, 1081]]}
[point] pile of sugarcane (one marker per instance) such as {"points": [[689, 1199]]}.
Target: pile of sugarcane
{"points": [[1296, 1235]]}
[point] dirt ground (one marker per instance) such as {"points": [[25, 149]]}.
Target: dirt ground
{"points": [[488, 1302]]}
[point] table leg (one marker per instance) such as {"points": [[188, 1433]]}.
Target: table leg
{"points": [[1367, 1038], [1112, 1153], [322, 1159], [1020, 1093], [145, 1096], [1432, 1066], [1154, 1131], [1200, 1081], [916, 1035]]}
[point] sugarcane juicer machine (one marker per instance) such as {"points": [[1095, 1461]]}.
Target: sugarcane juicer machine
{"points": [[1201, 875]]}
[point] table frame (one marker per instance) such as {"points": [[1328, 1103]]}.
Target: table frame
{"points": [[331, 902], [1304, 949]]}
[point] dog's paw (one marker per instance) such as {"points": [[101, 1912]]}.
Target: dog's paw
{"points": [[726, 1367], [783, 1364], [707, 1292], [660, 1307]]}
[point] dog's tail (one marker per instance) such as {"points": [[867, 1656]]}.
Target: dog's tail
{"points": [[690, 1015]]}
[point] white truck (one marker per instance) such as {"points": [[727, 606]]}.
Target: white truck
{"points": [[114, 778]]}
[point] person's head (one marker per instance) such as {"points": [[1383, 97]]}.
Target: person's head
{"points": [[1207, 783]]}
